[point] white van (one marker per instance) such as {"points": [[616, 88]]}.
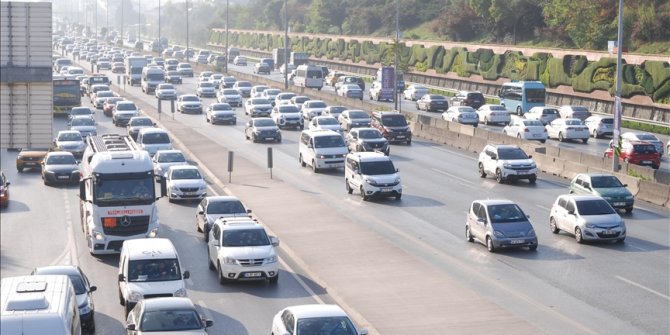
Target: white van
{"points": [[151, 77], [37, 305], [322, 149], [309, 76], [372, 174], [149, 268], [153, 139]]}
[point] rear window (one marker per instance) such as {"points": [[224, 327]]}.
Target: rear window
{"points": [[550, 112], [476, 96], [594, 207], [644, 149], [607, 121], [394, 120]]}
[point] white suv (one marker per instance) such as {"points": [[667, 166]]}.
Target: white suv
{"points": [[239, 249], [372, 174], [506, 162]]}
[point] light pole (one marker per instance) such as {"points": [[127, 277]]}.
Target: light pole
{"points": [[139, 20], [123, 17], [187, 55], [397, 42], [285, 44], [160, 44], [107, 18], [95, 2], [617, 99], [226, 63]]}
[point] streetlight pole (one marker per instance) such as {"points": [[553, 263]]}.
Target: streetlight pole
{"points": [[617, 99], [285, 44], [107, 24], [95, 3], [225, 66], [187, 55], [397, 45], [160, 44], [139, 20]]}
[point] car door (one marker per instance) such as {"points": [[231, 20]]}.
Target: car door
{"points": [[201, 214], [552, 129], [570, 217], [480, 222], [472, 218], [214, 239], [489, 160], [354, 174]]}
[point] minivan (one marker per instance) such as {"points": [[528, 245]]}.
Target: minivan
{"points": [[321, 149], [149, 268], [153, 139], [372, 174]]}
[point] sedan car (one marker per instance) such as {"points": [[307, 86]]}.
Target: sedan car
{"points": [[526, 129], [98, 100], [227, 82], [213, 207], [173, 77], [354, 118], [644, 137], [352, 91], [60, 167], [333, 111], [312, 108], [205, 89], [262, 68], [543, 114], [84, 125], [474, 99], [607, 186], [118, 67], [314, 319], [568, 129], [494, 114], [287, 116], [166, 315], [257, 107], [70, 141], [462, 115], [163, 159], [432, 103], [230, 96], [80, 111], [271, 94], [185, 69], [325, 122], [262, 129], [499, 224], [284, 98], [136, 123], [220, 113], [166, 92], [243, 88], [600, 125], [574, 112], [415, 92], [123, 111], [587, 217], [82, 289], [189, 103], [30, 158], [367, 139], [110, 105], [185, 182]]}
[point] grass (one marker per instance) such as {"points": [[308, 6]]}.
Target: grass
{"points": [[634, 173], [652, 128]]}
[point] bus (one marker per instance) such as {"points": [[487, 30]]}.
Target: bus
{"points": [[309, 76], [66, 94], [520, 96]]}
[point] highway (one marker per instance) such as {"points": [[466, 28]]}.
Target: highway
{"points": [[403, 266]]}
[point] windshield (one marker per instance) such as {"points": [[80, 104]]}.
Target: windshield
{"points": [[135, 70], [225, 207], [352, 87], [155, 76], [104, 94], [260, 89], [535, 94], [260, 101], [221, 107], [184, 66], [141, 122], [605, 182], [579, 109], [70, 137], [358, 115], [369, 134], [229, 79], [165, 87], [434, 97], [61, 160], [532, 123], [285, 96], [339, 325], [272, 92], [465, 109], [394, 121], [337, 109], [512, 154], [575, 122], [594, 207], [245, 238], [170, 320], [327, 121], [377, 168], [316, 104], [81, 111], [288, 109], [147, 270], [300, 100], [206, 84], [190, 98], [264, 123], [125, 107], [550, 111], [84, 121], [171, 157], [230, 91], [506, 213], [173, 73], [647, 137], [331, 141], [181, 174], [137, 189], [499, 108], [243, 84], [155, 138]]}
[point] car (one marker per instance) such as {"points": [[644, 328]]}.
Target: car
{"points": [[310, 319], [506, 163], [415, 92], [352, 91], [205, 89], [568, 129], [574, 112], [312, 108], [215, 79], [353, 118], [526, 129], [165, 92], [123, 111], [299, 100], [227, 82], [189, 103], [243, 87], [70, 141], [499, 224], [60, 167], [325, 122], [333, 111], [163, 159], [240, 61], [30, 158], [220, 113], [607, 186], [205, 75], [284, 98], [4, 190], [239, 249], [185, 69], [432, 103], [83, 291], [367, 139], [489, 114], [474, 99], [393, 126], [98, 99], [284, 67], [83, 124], [262, 68], [118, 67], [80, 111], [287, 116], [163, 315], [173, 77], [185, 182], [230, 96], [348, 79], [138, 122], [271, 94], [332, 77], [638, 153], [587, 217], [372, 174], [600, 125], [201, 59], [646, 137], [462, 115], [103, 65], [214, 207], [257, 91], [262, 129], [543, 114], [257, 107], [95, 89]]}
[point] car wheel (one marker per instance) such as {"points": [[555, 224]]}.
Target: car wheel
{"points": [[518, 136], [499, 176], [348, 187], [595, 134], [543, 141], [209, 260], [585, 140], [482, 173], [532, 247], [365, 197], [620, 240], [274, 280], [560, 137], [302, 162], [409, 142], [19, 169], [314, 168], [122, 301], [489, 244], [578, 235], [222, 279], [253, 138], [532, 179], [399, 196], [486, 121], [629, 210], [468, 235]]}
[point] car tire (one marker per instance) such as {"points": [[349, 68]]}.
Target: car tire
{"points": [[560, 137], [629, 210], [532, 179], [518, 136], [314, 168], [347, 186], [399, 196], [209, 260], [19, 169], [365, 197], [274, 280], [489, 244], [222, 280], [532, 247], [585, 140], [499, 176], [620, 240], [122, 301], [302, 162], [578, 235], [543, 141], [468, 235], [482, 172], [595, 134]]}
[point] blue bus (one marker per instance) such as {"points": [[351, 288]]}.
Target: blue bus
{"points": [[520, 96]]}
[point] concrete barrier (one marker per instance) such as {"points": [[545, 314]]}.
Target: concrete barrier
{"points": [[549, 164], [572, 168], [662, 176], [570, 155], [467, 130], [655, 193], [477, 144], [483, 133], [594, 161], [643, 172]]}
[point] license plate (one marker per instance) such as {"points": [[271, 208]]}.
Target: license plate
{"points": [[189, 193], [30, 163], [63, 177], [252, 274], [400, 136], [619, 204], [387, 189], [609, 232], [269, 138], [518, 241], [646, 162], [522, 172], [536, 135]]}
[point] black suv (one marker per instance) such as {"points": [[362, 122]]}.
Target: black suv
{"points": [[393, 126], [473, 99]]}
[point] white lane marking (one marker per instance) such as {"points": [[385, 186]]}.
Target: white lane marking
{"points": [[69, 255], [453, 176], [543, 207], [643, 287], [455, 153]]}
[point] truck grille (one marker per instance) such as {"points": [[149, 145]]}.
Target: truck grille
{"points": [[127, 226], [251, 262]]}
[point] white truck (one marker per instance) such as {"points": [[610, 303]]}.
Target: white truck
{"points": [[151, 77], [117, 193], [134, 66]]}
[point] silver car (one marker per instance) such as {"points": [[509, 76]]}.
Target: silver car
{"points": [[587, 217], [499, 224]]}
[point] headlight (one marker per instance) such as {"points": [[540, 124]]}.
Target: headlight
{"points": [[98, 235], [85, 308], [397, 180], [629, 197], [498, 234], [134, 296], [180, 292], [531, 232], [272, 259], [590, 225], [507, 166], [533, 166], [228, 260], [153, 233]]}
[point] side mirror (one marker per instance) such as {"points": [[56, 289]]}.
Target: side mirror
{"points": [[82, 189], [201, 212], [624, 185], [130, 326], [248, 211], [274, 241], [187, 274], [209, 323], [530, 156], [122, 277], [363, 331], [92, 288], [571, 212]]}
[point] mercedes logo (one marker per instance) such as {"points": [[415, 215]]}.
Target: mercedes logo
{"points": [[125, 221]]}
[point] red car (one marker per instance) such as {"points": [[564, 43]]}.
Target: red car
{"points": [[638, 153], [110, 103], [4, 191]]}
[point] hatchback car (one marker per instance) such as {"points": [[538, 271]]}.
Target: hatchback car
{"points": [[262, 129], [30, 158], [60, 167], [568, 129], [498, 114], [311, 319], [70, 141], [185, 182], [600, 125], [166, 315], [474, 99], [214, 207], [607, 186], [123, 112], [638, 153], [189, 103], [462, 115], [230, 96], [415, 92], [526, 129], [499, 224], [432, 103], [645, 137], [587, 217], [543, 114]]}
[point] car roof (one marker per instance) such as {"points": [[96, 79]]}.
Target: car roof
{"points": [[157, 247], [168, 303], [68, 132], [489, 202], [578, 197], [313, 311], [153, 130], [56, 270], [369, 156], [183, 167], [222, 198]]}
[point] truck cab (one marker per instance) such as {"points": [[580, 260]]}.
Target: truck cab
{"points": [[152, 76]]}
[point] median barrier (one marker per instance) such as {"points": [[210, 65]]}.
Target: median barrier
{"points": [[496, 138], [662, 177], [570, 155], [467, 130], [655, 193], [642, 172], [549, 164], [594, 161], [482, 133], [552, 150], [476, 144], [572, 168]]}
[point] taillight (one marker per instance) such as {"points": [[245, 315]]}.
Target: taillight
{"points": [[526, 130]]}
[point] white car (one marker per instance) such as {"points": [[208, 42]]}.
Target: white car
{"points": [[206, 89], [312, 108], [526, 129], [506, 162], [354, 118], [220, 113], [205, 75], [334, 111], [271, 94], [163, 159], [230, 96], [310, 319], [543, 114], [257, 91], [284, 98], [646, 137], [494, 114], [189, 103], [287, 116], [257, 107], [70, 141], [240, 249], [166, 92], [216, 78], [185, 182], [352, 91], [462, 115], [600, 125], [83, 124], [325, 122], [283, 68], [100, 97], [415, 92], [243, 87], [587, 217], [299, 100], [576, 112], [568, 129]]}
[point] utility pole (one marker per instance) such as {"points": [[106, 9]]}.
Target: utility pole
{"points": [[226, 63], [160, 44], [617, 99], [397, 43], [107, 18], [123, 19], [286, 44], [95, 3], [139, 20], [187, 55]]}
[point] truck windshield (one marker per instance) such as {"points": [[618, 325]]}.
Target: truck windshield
{"points": [[156, 76], [124, 190], [136, 70]]}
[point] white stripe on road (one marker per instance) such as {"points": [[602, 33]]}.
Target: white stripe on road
{"points": [[643, 287], [453, 176]]}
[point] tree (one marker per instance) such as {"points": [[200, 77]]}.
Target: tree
{"points": [[325, 14], [588, 24]]}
